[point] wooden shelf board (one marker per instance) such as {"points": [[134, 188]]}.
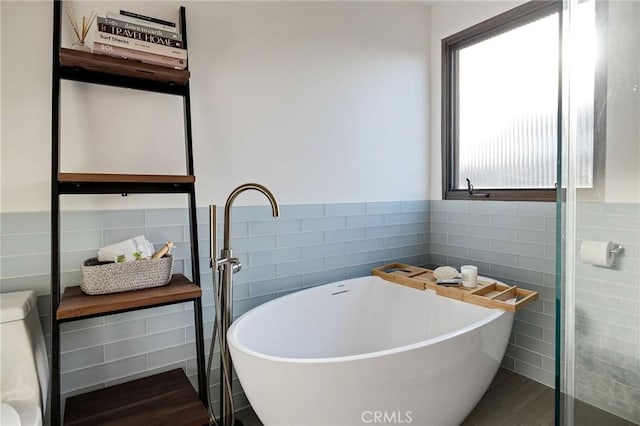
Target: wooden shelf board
{"points": [[162, 399], [76, 305], [93, 68], [124, 178], [105, 183]]}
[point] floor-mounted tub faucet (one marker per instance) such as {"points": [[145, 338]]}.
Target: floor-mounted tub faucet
{"points": [[226, 265]]}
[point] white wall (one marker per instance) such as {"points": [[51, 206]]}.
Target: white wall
{"points": [[622, 183], [320, 101]]}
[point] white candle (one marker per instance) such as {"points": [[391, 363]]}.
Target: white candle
{"points": [[469, 276]]}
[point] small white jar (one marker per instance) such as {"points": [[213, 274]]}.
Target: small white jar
{"points": [[469, 275]]}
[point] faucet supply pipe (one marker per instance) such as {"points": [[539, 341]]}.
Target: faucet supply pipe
{"points": [[227, 265]]}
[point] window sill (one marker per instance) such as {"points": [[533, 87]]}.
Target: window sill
{"points": [[544, 195]]}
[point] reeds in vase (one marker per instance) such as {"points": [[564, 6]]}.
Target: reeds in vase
{"points": [[79, 31]]}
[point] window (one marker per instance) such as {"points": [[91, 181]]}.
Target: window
{"points": [[500, 106]]}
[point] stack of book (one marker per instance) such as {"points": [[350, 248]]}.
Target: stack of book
{"points": [[133, 36]]}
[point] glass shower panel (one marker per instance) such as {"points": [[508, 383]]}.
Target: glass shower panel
{"points": [[599, 315]]}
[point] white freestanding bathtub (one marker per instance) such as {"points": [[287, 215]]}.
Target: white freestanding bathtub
{"points": [[367, 351]]}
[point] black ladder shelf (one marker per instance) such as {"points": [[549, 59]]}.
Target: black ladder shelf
{"points": [[167, 396]]}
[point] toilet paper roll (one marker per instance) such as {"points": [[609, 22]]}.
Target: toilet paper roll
{"points": [[597, 253]]}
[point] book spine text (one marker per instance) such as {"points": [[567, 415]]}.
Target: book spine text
{"points": [[147, 58], [147, 18], [143, 46], [120, 17], [150, 38], [140, 28]]}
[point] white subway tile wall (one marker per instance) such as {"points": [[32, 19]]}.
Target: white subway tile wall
{"points": [[514, 243], [315, 244], [608, 312]]}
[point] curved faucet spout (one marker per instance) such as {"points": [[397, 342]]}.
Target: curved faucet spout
{"points": [[227, 207]]}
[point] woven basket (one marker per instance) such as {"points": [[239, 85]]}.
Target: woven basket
{"points": [[104, 278]]}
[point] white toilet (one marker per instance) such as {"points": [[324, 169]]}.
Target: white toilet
{"points": [[24, 368]]}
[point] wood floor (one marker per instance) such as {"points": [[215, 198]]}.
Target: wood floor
{"points": [[511, 400]]}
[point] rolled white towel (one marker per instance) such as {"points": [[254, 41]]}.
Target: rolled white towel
{"points": [[126, 248]]}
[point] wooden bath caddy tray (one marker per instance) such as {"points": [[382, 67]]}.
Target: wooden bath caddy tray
{"points": [[489, 293]]}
